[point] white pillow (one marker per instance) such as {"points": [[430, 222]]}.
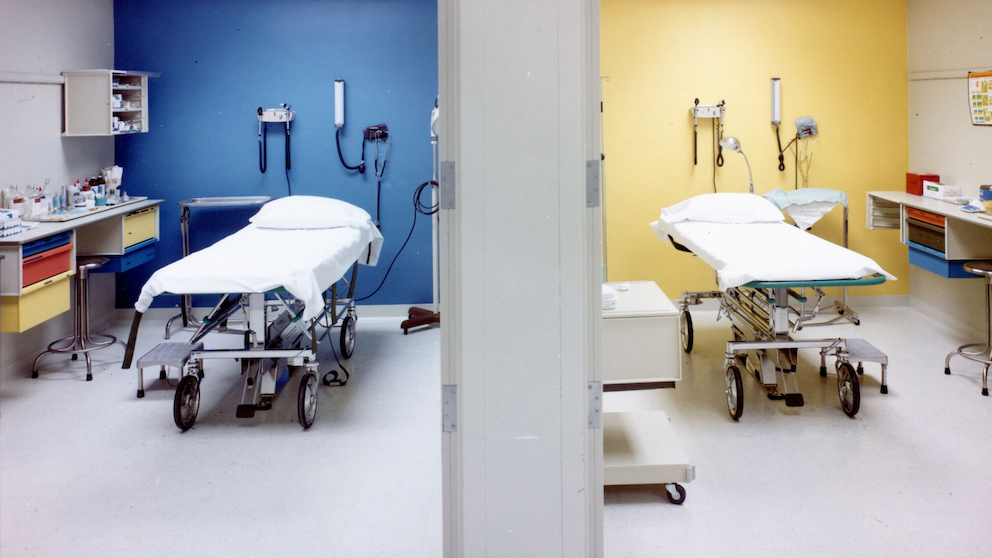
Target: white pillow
{"points": [[723, 208], [309, 212]]}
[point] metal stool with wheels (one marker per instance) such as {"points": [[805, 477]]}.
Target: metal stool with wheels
{"points": [[984, 354], [81, 341]]}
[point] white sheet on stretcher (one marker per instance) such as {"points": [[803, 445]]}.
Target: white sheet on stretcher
{"points": [[256, 260], [766, 252]]}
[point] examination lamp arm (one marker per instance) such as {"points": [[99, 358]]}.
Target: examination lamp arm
{"points": [[749, 176]]}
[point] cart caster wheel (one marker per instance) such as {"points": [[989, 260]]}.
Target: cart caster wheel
{"points": [[735, 392], [885, 389], [75, 357], [141, 393], [947, 370], [34, 373], [841, 311], [405, 331], [679, 497], [823, 371], [162, 374], [685, 330], [347, 337], [985, 391], [857, 321], [848, 389], [307, 408], [89, 377], [187, 402], [861, 370]]}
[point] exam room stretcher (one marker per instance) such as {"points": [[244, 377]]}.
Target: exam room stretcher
{"points": [[284, 283], [764, 268]]}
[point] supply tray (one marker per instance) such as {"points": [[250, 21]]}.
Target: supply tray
{"points": [[84, 213]]}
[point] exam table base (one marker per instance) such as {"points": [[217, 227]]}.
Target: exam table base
{"points": [[762, 321], [277, 343]]}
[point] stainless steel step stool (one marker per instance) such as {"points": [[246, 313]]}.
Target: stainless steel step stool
{"points": [[165, 355]]}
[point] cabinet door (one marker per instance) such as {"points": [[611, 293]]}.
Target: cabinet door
{"points": [[87, 103]]}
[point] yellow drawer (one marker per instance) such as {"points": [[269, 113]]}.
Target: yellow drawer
{"points": [[140, 226], [39, 302]]}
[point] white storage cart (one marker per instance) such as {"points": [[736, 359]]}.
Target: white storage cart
{"points": [[641, 351]]}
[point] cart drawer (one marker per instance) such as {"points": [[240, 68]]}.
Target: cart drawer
{"points": [[39, 302], [642, 350], [140, 226], [46, 264]]}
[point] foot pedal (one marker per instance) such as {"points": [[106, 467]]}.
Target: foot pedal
{"points": [[793, 400], [245, 411]]}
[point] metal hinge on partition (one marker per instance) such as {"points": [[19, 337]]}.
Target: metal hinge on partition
{"points": [[595, 391], [592, 183], [449, 408], [446, 187]]}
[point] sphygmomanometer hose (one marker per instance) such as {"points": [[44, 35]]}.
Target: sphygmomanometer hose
{"points": [[360, 167], [418, 209], [263, 151]]}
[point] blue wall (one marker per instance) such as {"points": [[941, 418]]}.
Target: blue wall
{"points": [[221, 60]]}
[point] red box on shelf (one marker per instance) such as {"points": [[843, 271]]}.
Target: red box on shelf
{"points": [[914, 182], [46, 264]]}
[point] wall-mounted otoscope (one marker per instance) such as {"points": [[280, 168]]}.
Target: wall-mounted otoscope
{"points": [[265, 116]]}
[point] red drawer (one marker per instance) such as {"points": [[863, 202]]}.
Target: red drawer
{"points": [[925, 216], [47, 264]]}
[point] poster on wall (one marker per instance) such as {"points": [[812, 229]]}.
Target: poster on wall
{"points": [[980, 98]]}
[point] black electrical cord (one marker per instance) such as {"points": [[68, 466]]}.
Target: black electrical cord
{"points": [[336, 379], [289, 187], [360, 167], [263, 149], [714, 154], [418, 208]]}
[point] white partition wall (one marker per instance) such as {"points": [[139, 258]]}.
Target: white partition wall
{"points": [[520, 274]]}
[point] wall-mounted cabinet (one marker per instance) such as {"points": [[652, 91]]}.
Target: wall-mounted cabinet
{"points": [[105, 102]]}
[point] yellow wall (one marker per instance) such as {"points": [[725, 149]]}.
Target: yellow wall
{"points": [[843, 62]]}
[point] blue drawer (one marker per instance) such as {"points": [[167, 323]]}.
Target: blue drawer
{"points": [[934, 262], [39, 246], [120, 264]]}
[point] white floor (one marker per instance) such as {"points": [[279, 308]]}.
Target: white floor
{"points": [[910, 475], [86, 469]]}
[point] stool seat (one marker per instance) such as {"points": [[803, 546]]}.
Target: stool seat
{"points": [[91, 262], [979, 268]]}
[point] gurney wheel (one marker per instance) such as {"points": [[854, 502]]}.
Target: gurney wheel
{"points": [[735, 392], [307, 408], [677, 499], [348, 337], [685, 330], [848, 389], [187, 402]]}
